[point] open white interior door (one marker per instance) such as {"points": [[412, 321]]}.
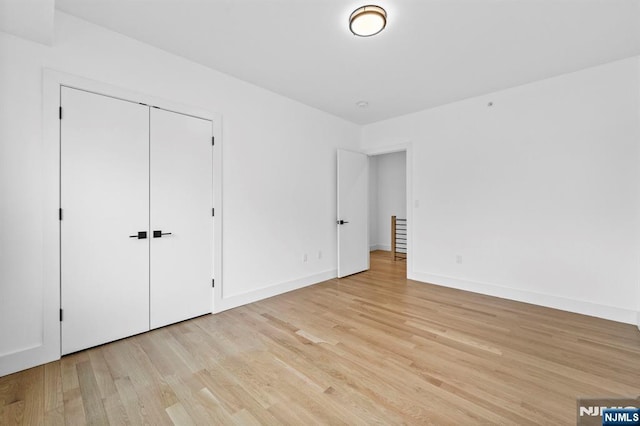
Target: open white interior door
{"points": [[353, 213]]}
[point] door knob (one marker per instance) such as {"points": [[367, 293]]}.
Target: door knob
{"points": [[159, 234], [141, 235], [341, 222]]}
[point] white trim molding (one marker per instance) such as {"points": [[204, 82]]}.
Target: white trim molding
{"points": [[556, 302], [236, 300]]}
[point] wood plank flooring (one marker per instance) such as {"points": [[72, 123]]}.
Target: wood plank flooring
{"points": [[373, 348]]}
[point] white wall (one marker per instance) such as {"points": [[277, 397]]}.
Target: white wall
{"points": [[538, 193], [29, 19], [278, 174], [373, 203]]}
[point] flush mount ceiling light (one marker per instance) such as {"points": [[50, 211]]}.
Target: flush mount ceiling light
{"points": [[366, 21]]}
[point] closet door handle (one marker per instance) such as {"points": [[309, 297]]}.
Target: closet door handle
{"points": [[159, 234], [141, 235]]}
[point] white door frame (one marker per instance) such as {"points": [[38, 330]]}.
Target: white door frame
{"points": [[50, 345], [408, 148]]}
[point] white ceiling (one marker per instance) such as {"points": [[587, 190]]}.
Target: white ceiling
{"points": [[431, 53]]}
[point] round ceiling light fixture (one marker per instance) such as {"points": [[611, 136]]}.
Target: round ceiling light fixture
{"points": [[368, 20]]}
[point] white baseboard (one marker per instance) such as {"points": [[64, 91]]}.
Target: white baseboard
{"points": [[273, 290], [577, 306], [382, 247]]}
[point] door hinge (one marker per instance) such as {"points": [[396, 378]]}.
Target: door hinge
{"points": [[60, 113], [60, 315], [59, 214], [213, 283], [213, 140], [213, 212]]}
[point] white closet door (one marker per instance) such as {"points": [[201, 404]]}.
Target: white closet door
{"points": [[104, 197], [181, 203]]}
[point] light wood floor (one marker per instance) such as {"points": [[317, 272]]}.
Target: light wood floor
{"points": [[371, 348]]}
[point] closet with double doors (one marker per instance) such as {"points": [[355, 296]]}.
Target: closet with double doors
{"points": [[136, 229]]}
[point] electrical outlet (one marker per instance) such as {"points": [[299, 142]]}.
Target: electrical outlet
{"points": [[458, 259]]}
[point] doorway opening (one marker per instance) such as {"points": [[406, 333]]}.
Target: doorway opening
{"points": [[388, 222]]}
